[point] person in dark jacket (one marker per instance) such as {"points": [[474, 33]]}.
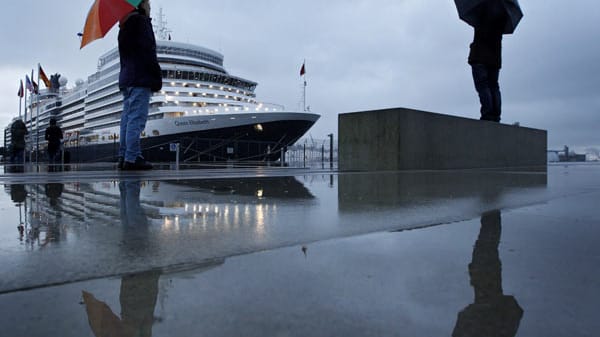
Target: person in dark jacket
{"points": [[54, 136], [485, 58], [18, 130], [140, 76]]}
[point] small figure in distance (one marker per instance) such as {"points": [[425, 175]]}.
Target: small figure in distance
{"points": [[54, 136], [18, 130], [140, 76], [485, 58]]}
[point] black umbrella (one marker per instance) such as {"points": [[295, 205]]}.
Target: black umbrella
{"points": [[473, 12]]}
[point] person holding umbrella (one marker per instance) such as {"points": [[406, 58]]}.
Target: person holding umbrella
{"points": [[140, 76], [491, 19]]}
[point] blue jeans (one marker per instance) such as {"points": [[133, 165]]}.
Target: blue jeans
{"points": [[132, 213], [486, 84], [136, 103]]}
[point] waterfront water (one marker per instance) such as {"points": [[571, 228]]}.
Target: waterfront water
{"points": [[349, 254]]}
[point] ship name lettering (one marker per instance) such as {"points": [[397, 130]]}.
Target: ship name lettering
{"points": [[191, 122]]}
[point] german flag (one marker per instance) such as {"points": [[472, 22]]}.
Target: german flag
{"points": [[44, 78]]}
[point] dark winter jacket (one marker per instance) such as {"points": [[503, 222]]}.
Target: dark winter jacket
{"points": [[18, 130], [137, 50], [53, 135], [486, 48]]}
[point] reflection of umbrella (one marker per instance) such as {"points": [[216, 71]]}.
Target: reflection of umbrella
{"points": [[473, 12], [103, 321], [102, 17]]}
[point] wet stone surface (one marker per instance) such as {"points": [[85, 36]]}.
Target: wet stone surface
{"points": [[462, 253]]}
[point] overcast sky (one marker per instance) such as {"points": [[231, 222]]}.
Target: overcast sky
{"points": [[360, 54]]}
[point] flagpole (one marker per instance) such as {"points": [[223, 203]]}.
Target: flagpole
{"points": [[31, 114], [25, 121], [304, 92], [37, 118]]}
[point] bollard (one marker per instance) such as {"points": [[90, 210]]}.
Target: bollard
{"points": [[177, 157], [304, 156], [330, 150]]}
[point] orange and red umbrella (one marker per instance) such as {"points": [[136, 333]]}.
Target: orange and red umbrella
{"points": [[102, 17]]}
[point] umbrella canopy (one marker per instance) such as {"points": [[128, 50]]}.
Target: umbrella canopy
{"points": [[102, 17], [473, 12], [103, 321]]}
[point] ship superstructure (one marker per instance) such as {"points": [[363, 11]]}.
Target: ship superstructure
{"points": [[212, 114]]}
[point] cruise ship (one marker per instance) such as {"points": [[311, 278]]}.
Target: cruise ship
{"points": [[212, 114]]}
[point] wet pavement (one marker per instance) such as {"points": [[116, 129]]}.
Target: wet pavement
{"points": [[300, 252]]}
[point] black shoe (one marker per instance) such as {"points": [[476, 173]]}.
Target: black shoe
{"points": [[120, 162], [140, 164]]}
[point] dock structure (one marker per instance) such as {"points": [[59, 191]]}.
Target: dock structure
{"points": [[407, 139]]}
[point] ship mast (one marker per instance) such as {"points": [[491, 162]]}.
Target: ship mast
{"points": [[160, 29]]}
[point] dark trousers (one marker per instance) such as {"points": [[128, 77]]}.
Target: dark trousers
{"points": [[486, 84]]}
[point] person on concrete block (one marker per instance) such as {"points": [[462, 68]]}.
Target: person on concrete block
{"points": [[140, 76], [485, 58]]}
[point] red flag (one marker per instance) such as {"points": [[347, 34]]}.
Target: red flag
{"points": [[44, 78], [21, 92], [302, 70]]}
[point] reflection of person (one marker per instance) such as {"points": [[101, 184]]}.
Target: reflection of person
{"points": [[54, 136], [18, 194], [138, 300], [485, 58], [132, 213], [140, 76], [53, 192], [492, 313], [18, 130]]}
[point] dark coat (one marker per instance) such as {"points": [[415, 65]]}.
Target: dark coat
{"points": [[486, 48], [137, 50], [54, 135], [18, 130]]}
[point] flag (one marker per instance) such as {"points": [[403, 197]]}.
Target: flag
{"points": [[303, 70], [44, 78], [35, 87], [20, 93], [28, 84]]}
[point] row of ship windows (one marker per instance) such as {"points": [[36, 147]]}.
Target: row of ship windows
{"points": [[187, 76], [170, 51], [208, 77], [189, 53], [171, 99]]}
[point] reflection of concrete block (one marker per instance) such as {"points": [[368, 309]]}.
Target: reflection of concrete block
{"points": [[410, 139]]}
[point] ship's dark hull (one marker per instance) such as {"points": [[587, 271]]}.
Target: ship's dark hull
{"points": [[241, 143]]}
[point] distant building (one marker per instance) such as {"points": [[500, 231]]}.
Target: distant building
{"points": [[570, 156]]}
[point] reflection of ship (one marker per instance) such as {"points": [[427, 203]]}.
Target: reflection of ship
{"points": [[201, 202], [268, 187], [212, 114]]}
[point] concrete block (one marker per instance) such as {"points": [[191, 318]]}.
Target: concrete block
{"points": [[406, 139]]}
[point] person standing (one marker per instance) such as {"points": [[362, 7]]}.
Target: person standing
{"points": [[54, 136], [18, 130], [485, 58], [140, 76]]}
